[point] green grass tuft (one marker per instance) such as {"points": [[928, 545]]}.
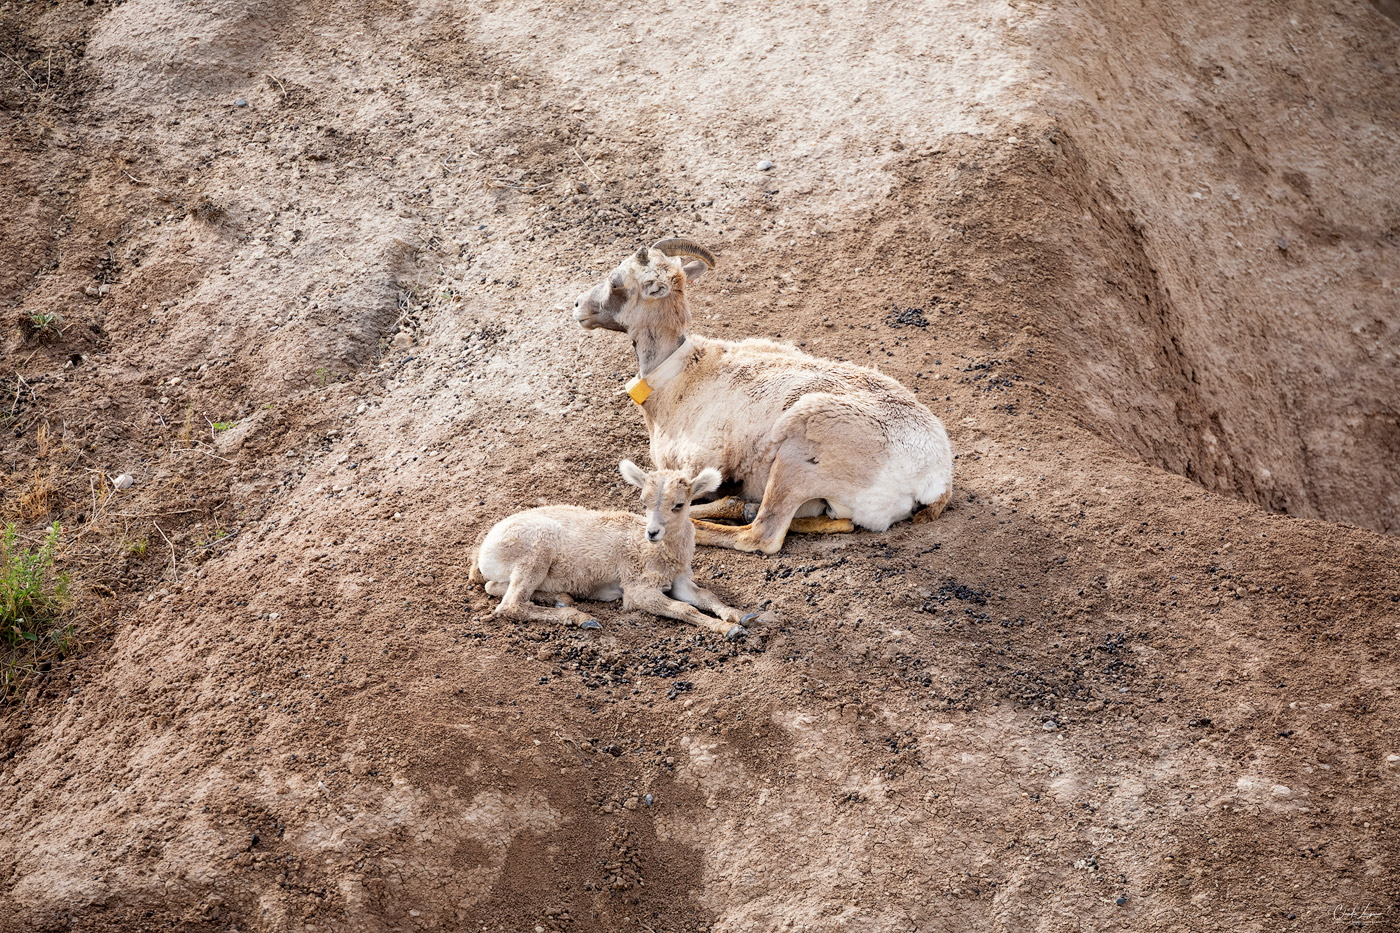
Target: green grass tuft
{"points": [[32, 594]]}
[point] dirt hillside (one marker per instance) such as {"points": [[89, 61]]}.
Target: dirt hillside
{"points": [[308, 261]]}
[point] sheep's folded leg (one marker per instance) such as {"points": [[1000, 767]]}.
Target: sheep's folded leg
{"points": [[934, 509], [821, 526], [730, 508]]}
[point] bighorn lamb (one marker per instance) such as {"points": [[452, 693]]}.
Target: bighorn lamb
{"points": [[802, 435], [560, 551]]}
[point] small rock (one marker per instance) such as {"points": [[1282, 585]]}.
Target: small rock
{"points": [[1392, 759], [648, 800], [765, 166], [104, 290], [402, 340], [1282, 243], [91, 291], [124, 481], [1279, 790], [241, 102], [631, 803], [1050, 725], [1094, 706], [1121, 900]]}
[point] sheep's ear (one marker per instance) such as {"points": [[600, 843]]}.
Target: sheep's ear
{"points": [[707, 481], [634, 474], [693, 270]]}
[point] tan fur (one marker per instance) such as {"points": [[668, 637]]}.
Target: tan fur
{"points": [[801, 435], [564, 550]]}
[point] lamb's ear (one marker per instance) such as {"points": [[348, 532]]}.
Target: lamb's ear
{"points": [[633, 473], [706, 482]]}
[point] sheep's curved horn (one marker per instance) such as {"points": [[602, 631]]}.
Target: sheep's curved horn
{"points": [[676, 246]]}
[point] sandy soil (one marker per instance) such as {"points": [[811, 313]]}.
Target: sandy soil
{"points": [[1141, 258]]}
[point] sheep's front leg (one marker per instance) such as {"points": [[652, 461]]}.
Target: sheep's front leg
{"points": [[688, 591], [652, 599], [729, 508]]}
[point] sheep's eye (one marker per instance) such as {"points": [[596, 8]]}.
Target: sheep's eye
{"points": [[677, 506]]}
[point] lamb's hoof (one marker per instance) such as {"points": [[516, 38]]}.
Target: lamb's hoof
{"points": [[748, 618], [735, 633], [589, 624]]}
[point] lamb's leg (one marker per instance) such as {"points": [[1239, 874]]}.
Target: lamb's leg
{"points": [[688, 591], [516, 604], [496, 588], [650, 599], [792, 482]]}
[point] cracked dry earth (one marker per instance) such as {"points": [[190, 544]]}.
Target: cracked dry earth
{"points": [[1140, 258]]}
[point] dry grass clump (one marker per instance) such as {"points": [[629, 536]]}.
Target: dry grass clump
{"points": [[39, 499]]}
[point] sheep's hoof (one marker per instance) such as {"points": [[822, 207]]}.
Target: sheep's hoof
{"points": [[735, 633], [589, 624], [748, 618]]}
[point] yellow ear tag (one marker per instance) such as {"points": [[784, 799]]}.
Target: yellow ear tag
{"points": [[638, 389]]}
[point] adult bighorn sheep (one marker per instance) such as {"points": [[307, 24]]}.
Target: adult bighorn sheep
{"points": [[801, 435], [561, 551]]}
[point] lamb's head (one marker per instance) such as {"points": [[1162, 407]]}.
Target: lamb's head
{"points": [[666, 496], [647, 290]]}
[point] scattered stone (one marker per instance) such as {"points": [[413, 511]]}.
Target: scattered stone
{"points": [[1121, 900], [1279, 790], [124, 481], [765, 166], [402, 340], [1050, 725], [241, 102], [648, 800]]}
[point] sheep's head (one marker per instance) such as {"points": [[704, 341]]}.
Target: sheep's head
{"points": [[666, 496], [646, 289]]}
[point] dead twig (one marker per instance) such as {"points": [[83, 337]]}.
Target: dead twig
{"points": [[21, 68], [174, 568], [135, 179], [281, 86], [586, 165]]}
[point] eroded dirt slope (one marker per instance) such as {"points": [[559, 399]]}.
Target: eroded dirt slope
{"points": [[1106, 690]]}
